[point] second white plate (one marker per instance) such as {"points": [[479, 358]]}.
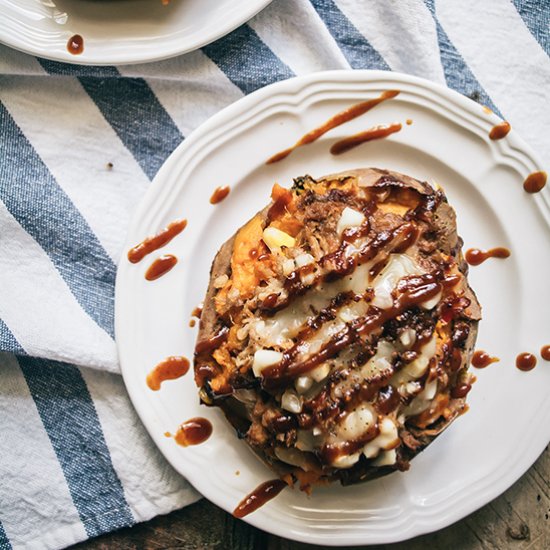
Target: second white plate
{"points": [[508, 425], [118, 32]]}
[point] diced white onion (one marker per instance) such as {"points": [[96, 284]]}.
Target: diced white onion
{"points": [[288, 266], [320, 373], [349, 218], [264, 358], [275, 238], [408, 337], [291, 402], [346, 461], [432, 302], [304, 259], [303, 383], [387, 436], [357, 422]]}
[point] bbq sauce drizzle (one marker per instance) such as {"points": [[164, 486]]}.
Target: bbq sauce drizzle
{"points": [[171, 368], [258, 497], [75, 44], [376, 132], [219, 194], [475, 256], [160, 267], [336, 120], [150, 244], [193, 432]]}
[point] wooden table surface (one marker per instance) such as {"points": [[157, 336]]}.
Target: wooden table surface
{"points": [[518, 519]]}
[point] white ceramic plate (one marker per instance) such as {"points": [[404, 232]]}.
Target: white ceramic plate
{"points": [[508, 425], [117, 32]]}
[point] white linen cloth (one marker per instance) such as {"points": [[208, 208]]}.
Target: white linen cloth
{"points": [[75, 461]]}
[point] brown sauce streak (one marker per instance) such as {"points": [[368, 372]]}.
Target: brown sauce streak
{"points": [[377, 132], [212, 343], [500, 130], [75, 44], [150, 244], [461, 390], [258, 497], [193, 432], [170, 369], [414, 290], [526, 361], [338, 119], [160, 267], [219, 194], [545, 352], [535, 182], [475, 256], [481, 359]]}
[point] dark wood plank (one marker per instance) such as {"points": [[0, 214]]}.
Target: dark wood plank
{"points": [[519, 519]]}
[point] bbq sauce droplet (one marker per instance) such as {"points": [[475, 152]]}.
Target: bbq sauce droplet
{"points": [[219, 194], [262, 494], [481, 359], [461, 390], [409, 121], [170, 369], [545, 352], [526, 361], [75, 44], [535, 182], [339, 118], [150, 244], [475, 256], [193, 432], [500, 130], [160, 267], [377, 132]]}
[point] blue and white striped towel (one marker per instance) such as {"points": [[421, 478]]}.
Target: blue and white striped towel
{"points": [[74, 459]]}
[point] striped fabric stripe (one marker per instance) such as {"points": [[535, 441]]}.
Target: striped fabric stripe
{"points": [[71, 422], [4, 542], [33, 197], [536, 15], [356, 48], [458, 75], [246, 60], [8, 341], [65, 69], [138, 118]]}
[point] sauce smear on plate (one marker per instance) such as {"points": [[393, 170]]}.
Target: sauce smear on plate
{"points": [[219, 194], [340, 118], [193, 432], [150, 244], [170, 369], [377, 132], [535, 182], [526, 361], [500, 130], [475, 256], [160, 266], [258, 497], [481, 359], [461, 390], [75, 44]]}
